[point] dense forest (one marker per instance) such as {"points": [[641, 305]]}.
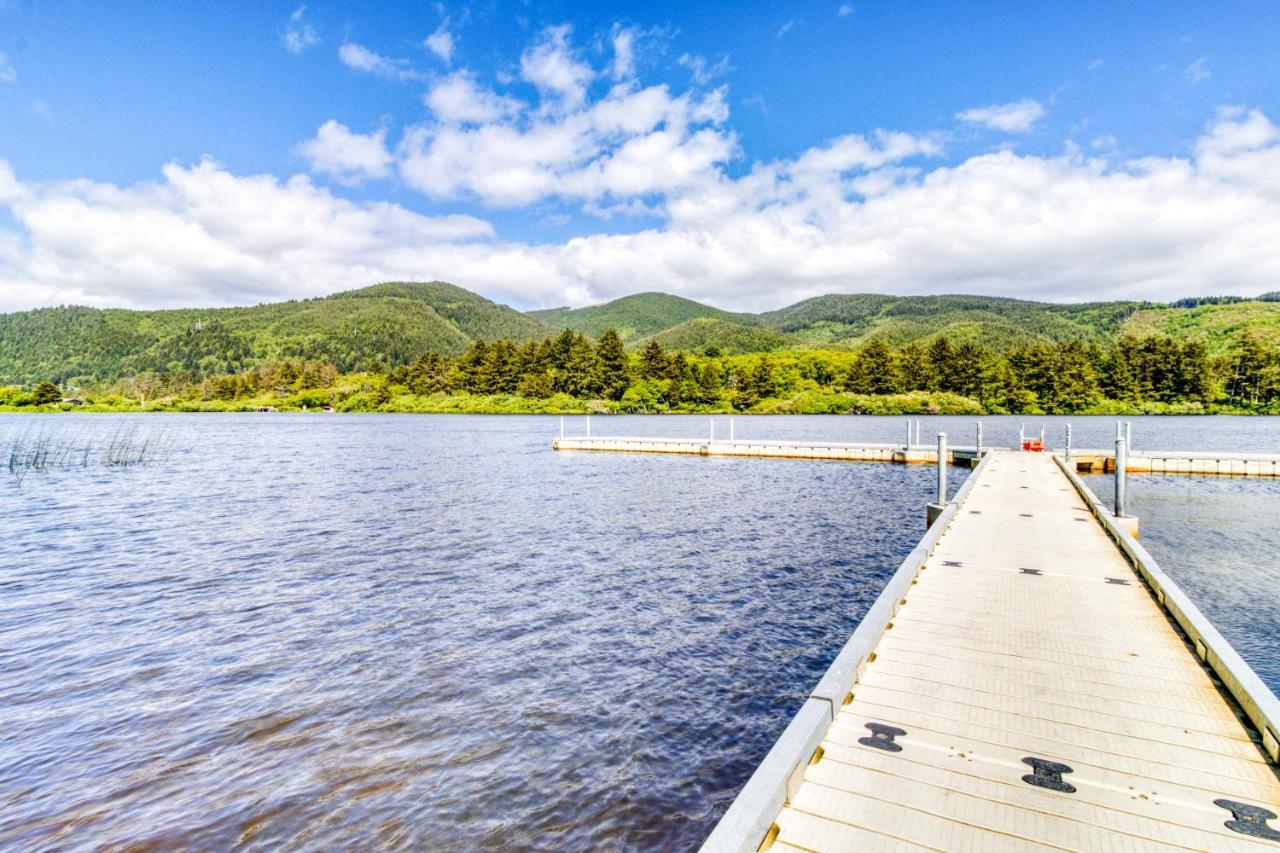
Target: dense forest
{"points": [[570, 372], [437, 347]]}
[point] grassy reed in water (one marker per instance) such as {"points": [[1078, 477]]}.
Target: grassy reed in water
{"points": [[48, 450]]}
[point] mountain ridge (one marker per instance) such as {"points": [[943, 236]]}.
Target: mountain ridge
{"points": [[393, 322]]}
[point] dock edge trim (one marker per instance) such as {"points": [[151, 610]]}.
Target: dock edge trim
{"points": [[751, 814], [1258, 702]]}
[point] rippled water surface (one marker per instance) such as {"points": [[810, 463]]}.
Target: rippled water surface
{"points": [[434, 632]]}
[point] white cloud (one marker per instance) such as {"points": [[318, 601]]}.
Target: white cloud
{"points": [[441, 43], [846, 216], [626, 144], [1013, 117], [351, 158], [8, 74], [1198, 71], [360, 58], [623, 40], [202, 236], [550, 65], [844, 11], [457, 99], [702, 71], [786, 28], [298, 34]]}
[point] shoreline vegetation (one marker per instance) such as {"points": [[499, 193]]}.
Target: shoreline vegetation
{"points": [[572, 374]]}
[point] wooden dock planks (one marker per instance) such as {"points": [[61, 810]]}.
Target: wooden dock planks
{"points": [[1028, 636]]}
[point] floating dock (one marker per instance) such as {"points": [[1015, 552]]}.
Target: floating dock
{"points": [[1029, 679], [1139, 462]]}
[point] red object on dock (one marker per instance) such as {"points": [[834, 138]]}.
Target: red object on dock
{"points": [[1033, 444]]}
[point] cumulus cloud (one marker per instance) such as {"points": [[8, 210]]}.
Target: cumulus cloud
{"points": [[298, 33], [851, 215], [1013, 117], [357, 57], [458, 99], [629, 143], [203, 236], [441, 43], [552, 66], [350, 158]]}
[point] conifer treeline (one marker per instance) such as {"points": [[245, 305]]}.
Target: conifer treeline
{"points": [[1049, 377], [1063, 377]]}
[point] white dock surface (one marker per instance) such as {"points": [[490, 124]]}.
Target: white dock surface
{"points": [[988, 664]]}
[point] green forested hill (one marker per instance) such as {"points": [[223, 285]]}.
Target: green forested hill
{"points": [[1003, 324], [393, 323], [637, 316], [707, 334], [1218, 327], [388, 323]]}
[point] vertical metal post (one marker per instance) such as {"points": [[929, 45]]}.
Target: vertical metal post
{"points": [[1068, 441], [1022, 438], [1122, 463], [942, 468], [978, 443], [1042, 435], [908, 444]]}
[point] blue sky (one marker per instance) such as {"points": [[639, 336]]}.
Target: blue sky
{"points": [[536, 175]]}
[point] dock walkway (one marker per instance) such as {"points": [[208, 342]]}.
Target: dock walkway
{"points": [[1023, 690]]}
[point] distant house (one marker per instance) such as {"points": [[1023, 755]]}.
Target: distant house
{"points": [[75, 401], [267, 409]]}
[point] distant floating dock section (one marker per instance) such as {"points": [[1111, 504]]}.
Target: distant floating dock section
{"points": [[1083, 460], [774, 449]]}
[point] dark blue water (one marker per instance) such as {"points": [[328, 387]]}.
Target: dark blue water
{"points": [[327, 632], [425, 632]]}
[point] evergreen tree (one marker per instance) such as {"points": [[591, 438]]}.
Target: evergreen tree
{"points": [[913, 367], [614, 377], [709, 384], [504, 369], [939, 358], [46, 393], [1116, 376], [762, 382], [472, 368], [1075, 386], [654, 363], [575, 366], [430, 374], [967, 372]]}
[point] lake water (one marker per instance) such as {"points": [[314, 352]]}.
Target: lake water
{"points": [[323, 631]]}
